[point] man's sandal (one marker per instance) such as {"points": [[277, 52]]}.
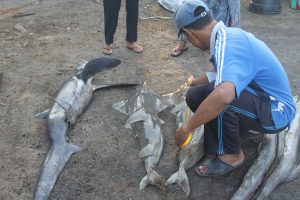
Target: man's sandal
{"points": [[107, 50], [216, 167], [177, 52], [136, 48]]}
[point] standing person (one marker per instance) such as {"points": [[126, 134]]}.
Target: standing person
{"points": [[227, 11], [111, 15], [251, 90]]}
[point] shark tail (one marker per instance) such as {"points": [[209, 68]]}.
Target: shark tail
{"points": [[181, 179], [97, 65], [153, 178], [56, 159]]}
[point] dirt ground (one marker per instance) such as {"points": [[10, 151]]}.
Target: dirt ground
{"points": [[39, 52]]}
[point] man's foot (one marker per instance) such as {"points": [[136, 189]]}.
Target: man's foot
{"points": [[206, 158], [133, 46], [107, 49], [220, 165], [177, 51]]}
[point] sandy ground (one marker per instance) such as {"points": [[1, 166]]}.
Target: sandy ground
{"points": [[36, 60]]}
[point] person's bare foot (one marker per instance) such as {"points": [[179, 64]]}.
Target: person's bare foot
{"points": [[107, 49], [133, 46]]}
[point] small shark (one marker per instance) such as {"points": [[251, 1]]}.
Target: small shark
{"points": [[142, 109], [72, 100]]}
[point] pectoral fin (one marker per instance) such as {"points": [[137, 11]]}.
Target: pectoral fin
{"points": [[147, 151], [179, 107], [139, 115], [41, 115], [99, 86]]}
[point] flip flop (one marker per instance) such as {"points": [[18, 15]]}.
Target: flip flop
{"points": [[177, 52], [216, 167], [136, 48], [107, 50], [206, 159]]}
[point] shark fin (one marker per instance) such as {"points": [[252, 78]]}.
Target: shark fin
{"points": [[152, 178], [96, 66], [147, 151], [42, 115], [121, 107], [179, 107], [172, 179], [139, 115], [181, 179], [56, 160], [100, 86]]}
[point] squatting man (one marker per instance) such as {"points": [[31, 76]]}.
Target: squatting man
{"points": [[251, 90]]}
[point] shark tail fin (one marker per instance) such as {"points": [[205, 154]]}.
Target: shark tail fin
{"points": [[181, 179], [56, 159], [153, 178]]}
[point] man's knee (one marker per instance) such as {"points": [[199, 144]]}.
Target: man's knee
{"points": [[190, 101]]}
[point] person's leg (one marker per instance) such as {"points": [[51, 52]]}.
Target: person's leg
{"points": [[196, 94], [132, 10], [234, 13], [181, 46], [111, 14], [247, 112], [194, 98]]}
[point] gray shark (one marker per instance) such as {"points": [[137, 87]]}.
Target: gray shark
{"points": [[142, 109], [275, 164], [72, 99], [287, 168], [255, 175], [191, 153]]}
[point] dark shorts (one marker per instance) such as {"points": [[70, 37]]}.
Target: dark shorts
{"points": [[248, 112]]}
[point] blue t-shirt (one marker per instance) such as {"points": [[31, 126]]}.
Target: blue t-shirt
{"points": [[241, 58]]}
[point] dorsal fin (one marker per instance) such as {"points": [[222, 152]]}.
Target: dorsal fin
{"points": [[97, 65]]}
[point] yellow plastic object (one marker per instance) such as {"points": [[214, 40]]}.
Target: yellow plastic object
{"points": [[187, 141], [187, 117]]}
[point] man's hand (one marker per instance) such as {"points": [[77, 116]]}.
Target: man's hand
{"points": [[201, 80], [190, 80], [181, 137]]}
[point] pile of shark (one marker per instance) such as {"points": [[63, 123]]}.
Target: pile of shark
{"points": [[275, 164]]}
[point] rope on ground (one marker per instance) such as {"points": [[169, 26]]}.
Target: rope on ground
{"points": [[157, 17]]}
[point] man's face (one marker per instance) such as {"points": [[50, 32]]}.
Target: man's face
{"points": [[196, 39]]}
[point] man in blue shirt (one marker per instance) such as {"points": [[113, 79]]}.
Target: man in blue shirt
{"points": [[251, 90]]}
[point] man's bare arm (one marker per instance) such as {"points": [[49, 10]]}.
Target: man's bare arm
{"points": [[212, 106]]}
